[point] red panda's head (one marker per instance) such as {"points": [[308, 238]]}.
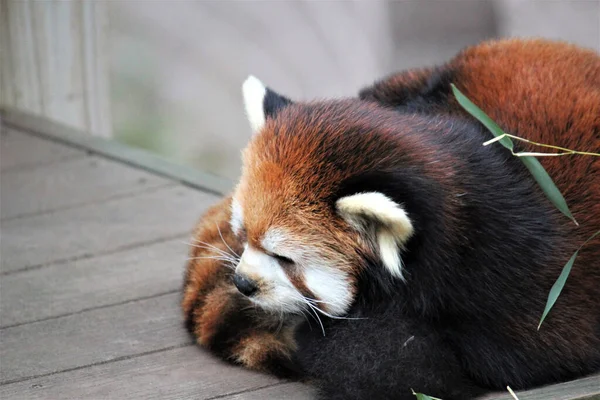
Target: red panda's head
{"points": [[303, 209]]}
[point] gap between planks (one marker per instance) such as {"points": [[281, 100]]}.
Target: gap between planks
{"points": [[29, 167], [112, 360], [84, 310], [92, 202], [115, 250], [223, 396]]}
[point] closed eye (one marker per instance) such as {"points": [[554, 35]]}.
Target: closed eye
{"points": [[281, 259]]}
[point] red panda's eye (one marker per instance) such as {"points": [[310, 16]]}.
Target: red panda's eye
{"points": [[282, 259]]}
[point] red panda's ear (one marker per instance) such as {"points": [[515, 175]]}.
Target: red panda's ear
{"points": [[373, 213], [261, 102]]}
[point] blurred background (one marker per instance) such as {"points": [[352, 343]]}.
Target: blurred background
{"points": [[165, 75]]}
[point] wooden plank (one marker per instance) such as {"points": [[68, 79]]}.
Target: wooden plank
{"points": [[581, 389], [183, 373], [98, 229], [138, 158], [18, 150], [70, 288], [70, 183], [91, 337], [586, 388], [286, 391]]}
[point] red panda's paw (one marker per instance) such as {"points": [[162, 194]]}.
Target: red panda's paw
{"points": [[206, 302], [213, 254], [217, 315], [226, 323], [268, 351]]}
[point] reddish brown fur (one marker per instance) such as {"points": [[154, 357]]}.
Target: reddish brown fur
{"points": [[509, 80], [280, 173], [253, 350], [512, 81], [571, 121], [203, 274]]}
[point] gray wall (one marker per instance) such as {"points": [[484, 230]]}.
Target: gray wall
{"points": [[177, 67]]}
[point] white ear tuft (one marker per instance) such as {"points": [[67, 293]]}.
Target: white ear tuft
{"points": [[389, 251], [392, 225], [254, 94]]}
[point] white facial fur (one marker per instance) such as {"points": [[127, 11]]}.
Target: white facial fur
{"points": [[330, 286], [254, 94], [276, 292], [393, 225], [237, 216]]}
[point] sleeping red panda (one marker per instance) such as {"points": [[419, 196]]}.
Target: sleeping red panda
{"points": [[374, 246]]}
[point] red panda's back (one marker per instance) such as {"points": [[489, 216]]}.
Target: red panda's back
{"points": [[547, 92]]}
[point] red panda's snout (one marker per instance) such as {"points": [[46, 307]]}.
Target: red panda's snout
{"points": [[282, 275]]}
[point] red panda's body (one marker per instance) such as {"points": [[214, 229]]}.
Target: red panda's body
{"points": [[429, 257]]}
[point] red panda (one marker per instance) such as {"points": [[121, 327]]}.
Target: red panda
{"points": [[373, 245]]}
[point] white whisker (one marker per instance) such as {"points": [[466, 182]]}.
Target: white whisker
{"points": [[318, 318], [208, 246], [209, 249], [226, 263], [317, 301], [311, 302], [219, 229], [311, 308], [303, 313], [280, 322], [335, 317], [230, 264], [249, 307], [228, 260], [220, 258]]}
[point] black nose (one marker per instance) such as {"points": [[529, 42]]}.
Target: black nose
{"points": [[244, 285]]}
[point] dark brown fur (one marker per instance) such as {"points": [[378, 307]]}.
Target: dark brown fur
{"points": [[544, 91], [549, 93]]}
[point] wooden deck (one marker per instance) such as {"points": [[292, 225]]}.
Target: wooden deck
{"points": [[92, 257], [92, 253]]}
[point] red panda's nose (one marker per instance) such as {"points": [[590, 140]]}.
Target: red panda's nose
{"points": [[246, 286]]}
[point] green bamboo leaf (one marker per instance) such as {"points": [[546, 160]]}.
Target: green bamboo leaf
{"points": [[547, 185], [421, 396], [533, 165], [481, 117], [558, 287], [560, 282]]}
